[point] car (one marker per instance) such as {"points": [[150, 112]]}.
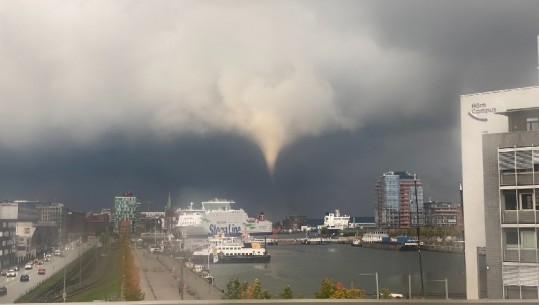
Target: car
{"points": [[3, 273], [397, 296], [3, 290], [40, 263], [16, 268], [25, 278], [47, 259], [41, 271], [29, 267], [11, 273]]}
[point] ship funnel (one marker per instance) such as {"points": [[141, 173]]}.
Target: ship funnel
{"points": [[261, 216]]}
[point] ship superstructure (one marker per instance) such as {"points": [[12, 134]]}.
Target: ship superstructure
{"points": [[336, 221], [218, 217]]}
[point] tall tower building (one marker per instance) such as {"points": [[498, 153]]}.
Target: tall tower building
{"points": [[396, 200], [498, 136]]}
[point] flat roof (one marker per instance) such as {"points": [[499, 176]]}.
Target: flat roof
{"points": [[498, 91], [509, 111]]}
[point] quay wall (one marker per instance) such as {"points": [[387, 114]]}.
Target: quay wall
{"points": [[348, 240]]}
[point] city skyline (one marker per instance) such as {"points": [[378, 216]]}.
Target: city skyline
{"points": [[288, 108]]}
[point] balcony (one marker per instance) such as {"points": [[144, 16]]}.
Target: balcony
{"points": [[526, 255], [524, 217], [525, 178], [510, 255]]}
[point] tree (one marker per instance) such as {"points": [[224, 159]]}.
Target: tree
{"points": [[324, 231], [287, 293], [335, 290], [243, 290], [327, 288], [234, 289], [255, 291], [385, 293], [131, 284]]}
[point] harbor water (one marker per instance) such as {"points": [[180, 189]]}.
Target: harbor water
{"points": [[303, 267]]}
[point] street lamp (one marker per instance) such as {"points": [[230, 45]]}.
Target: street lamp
{"points": [[446, 288], [181, 278], [376, 275], [418, 240], [64, 295], [80, 262]]}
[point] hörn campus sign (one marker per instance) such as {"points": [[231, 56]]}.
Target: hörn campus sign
{"points": [[480, 109]]}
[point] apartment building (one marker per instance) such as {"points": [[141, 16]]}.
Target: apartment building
{"points": [[395, 195]]}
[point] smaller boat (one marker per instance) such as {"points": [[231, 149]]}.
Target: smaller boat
{"points": [[315, 241], [356, 242], [410, 245]]}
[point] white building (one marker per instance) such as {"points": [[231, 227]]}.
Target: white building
{"points": [[480, 116]]}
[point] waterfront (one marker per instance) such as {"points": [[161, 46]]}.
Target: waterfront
{"points": [[303, 267]]}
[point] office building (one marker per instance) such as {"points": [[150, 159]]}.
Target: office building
{"points": [[443, 214], [126, 215], [7, 242], [511, 179], [97, 224], [495, 125], [30, 235], [396, 201]]}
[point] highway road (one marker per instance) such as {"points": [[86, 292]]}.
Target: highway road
{"points": [[16, 288]]}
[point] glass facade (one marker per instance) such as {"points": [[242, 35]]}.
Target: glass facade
{"points": [[519, 204], [395, 200], [126, 209]]}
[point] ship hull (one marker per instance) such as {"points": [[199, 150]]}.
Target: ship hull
{"points": [[231, 259]]}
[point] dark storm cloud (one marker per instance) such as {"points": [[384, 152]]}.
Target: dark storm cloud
{"points": [[201, 98], [191, 169]]}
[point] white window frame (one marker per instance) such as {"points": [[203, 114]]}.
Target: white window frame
{"points": [[512, 246], [528, 239], [532, 124], [520, 201]]}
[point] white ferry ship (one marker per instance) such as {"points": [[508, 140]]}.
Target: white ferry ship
{"points": [[218, 217], [226, 249]]}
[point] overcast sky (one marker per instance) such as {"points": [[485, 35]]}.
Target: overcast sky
{"points": [[287, 107]]}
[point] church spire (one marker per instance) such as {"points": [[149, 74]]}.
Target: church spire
{"points": [[169, 202]]}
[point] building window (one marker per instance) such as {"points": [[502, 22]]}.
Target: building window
{"points": [[506, 161], [511, 238], [524, 161], [527, 239], [526, 201], [510, 201], [532, 124]]}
